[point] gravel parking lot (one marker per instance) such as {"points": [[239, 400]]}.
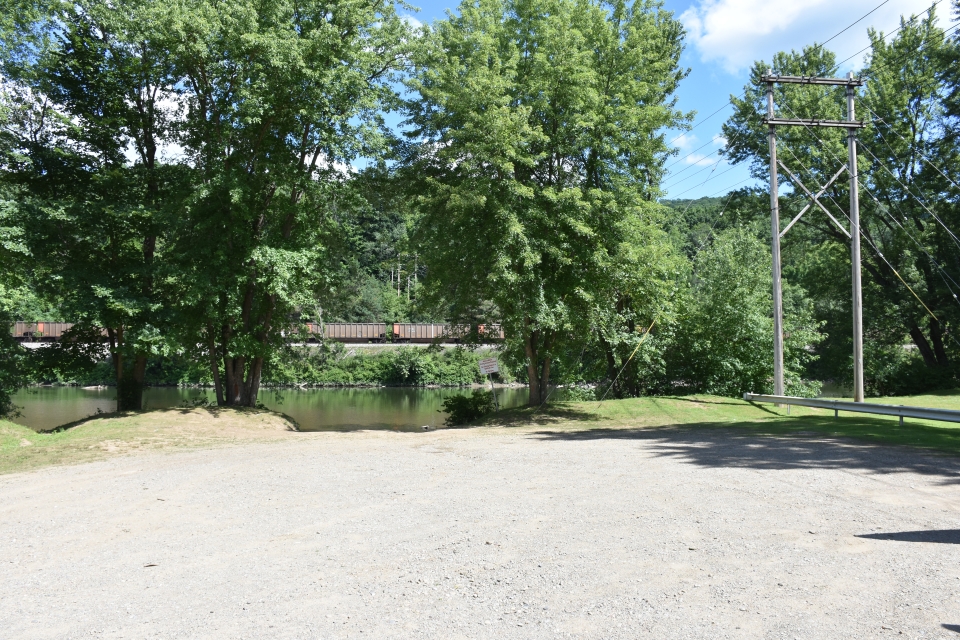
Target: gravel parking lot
{"points": [[488, 533]]}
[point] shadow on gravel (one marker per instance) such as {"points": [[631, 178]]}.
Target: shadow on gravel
{"points": [[792, 446], [951, 627], [942, 536]]}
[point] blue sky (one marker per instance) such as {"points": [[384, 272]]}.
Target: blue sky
{"points": [[724, 37]]}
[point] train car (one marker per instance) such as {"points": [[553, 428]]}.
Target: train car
{"points": [[39, 331], [354, 331], [421, 332], [490, 332]]}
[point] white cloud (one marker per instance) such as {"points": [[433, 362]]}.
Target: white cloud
{"points": [[684, 141], [735, 33], [410, 20]]}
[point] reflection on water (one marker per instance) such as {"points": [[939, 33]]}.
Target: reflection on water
{"points": [[403, 409]]}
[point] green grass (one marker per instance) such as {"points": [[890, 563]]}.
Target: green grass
{"points": [[710, 412]]}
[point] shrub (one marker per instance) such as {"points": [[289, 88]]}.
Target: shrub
{"points": [[466, 409]]}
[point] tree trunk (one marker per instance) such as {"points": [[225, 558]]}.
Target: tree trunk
{"points": [[533, 374], [609, 355], [936, 337], [214, 365], [921, 341], [253, 382], [130, 385], [545, 379]]}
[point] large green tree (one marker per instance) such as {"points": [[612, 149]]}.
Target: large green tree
{"points": [[539, 129], [84, 125], [280, 97]]}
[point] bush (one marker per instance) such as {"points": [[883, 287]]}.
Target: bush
{"points": [[466, 409]]}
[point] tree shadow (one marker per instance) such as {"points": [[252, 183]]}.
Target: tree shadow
{"points": [[807, 442], [212, 410], [547, 415], [941, 536]]}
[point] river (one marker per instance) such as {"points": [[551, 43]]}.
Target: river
{"points": [[396, 408]]}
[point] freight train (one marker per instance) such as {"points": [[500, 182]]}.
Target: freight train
{"points": [[350, 332]]}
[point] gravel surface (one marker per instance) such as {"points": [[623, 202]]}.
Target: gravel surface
{"points": [[488, 533]]}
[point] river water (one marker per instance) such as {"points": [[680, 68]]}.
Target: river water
{"points": [[396, 408]]}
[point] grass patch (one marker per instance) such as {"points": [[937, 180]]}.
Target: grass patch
{"points": [[711, 412], [22, 449]]}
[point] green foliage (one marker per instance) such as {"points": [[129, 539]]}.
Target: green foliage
{"points": [[725, 335], [341, 366], [466, 409], [14, 369], [281, 98], [540, 144]]}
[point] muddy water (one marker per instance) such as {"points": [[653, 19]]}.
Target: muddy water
{"points": [[403, 409]]}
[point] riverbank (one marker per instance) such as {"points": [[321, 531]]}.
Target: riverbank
{"points": [[111, 435], [98, 437]]}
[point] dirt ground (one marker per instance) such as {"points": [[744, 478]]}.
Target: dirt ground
{"points": [[488, 533]]}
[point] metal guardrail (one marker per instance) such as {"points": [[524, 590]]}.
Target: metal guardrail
{"points": [[901, 411]]}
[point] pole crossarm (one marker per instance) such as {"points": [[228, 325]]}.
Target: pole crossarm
{"points": [[815, 198], [844, 82], [809, 122], [796, 181]]}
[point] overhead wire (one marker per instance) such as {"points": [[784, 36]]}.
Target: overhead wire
{"points": [[832, 70], [859, 229], [942, 271], [923, 157], [952, 235]]}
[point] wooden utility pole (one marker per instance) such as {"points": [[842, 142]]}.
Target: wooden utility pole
{"points": [[855, 245], [778, 388], [851, 125]]}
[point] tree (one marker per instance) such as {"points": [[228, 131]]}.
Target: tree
{"points": [[725, 329], [280, 98], [540, 142], [85, 123]]}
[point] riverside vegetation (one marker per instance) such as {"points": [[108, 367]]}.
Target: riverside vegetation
{"points": [[328, 365]]}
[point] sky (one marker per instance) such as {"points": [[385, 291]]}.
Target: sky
{"points": [[724, 38]]}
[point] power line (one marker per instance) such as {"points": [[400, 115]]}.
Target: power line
{"points": [[836, 66], [712, 165], [917, 198], [706, 144], [860, 228], [848, 27], [923, 157], [865, 237]]}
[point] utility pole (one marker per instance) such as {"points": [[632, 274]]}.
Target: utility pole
{"points": [[778, 389], [855, 247], [851, 125]]}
